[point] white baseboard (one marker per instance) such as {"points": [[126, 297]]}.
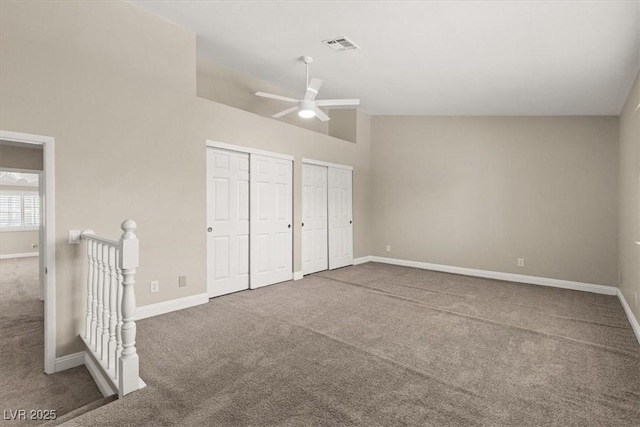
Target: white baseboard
{"points": [[164, 307], [632, 318], [297, 275], [70, 361], [510, 277], [361, 260], [22, 255], [104, 385]]}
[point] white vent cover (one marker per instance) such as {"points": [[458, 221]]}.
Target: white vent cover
{"points": [[340, 44]]}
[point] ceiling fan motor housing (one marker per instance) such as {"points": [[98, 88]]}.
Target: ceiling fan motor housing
{"points": [[307, 108]]}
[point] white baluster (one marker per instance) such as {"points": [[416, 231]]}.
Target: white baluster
{"points": [[113, 317], [129, 379], [94, 318], [119, 313], [90, 261], [98, 330], [104, 354]]}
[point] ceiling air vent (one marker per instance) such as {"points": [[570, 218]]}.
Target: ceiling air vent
{"points": [[341, 43]]}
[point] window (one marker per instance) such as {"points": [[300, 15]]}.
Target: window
{"points": [[19, 210]]}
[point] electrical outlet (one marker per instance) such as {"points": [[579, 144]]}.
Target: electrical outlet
{"points": [[182, 281], [388, 248], [520, 262], [154, 286]]}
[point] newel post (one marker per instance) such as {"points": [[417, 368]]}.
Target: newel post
{"points": [[128, 363]]}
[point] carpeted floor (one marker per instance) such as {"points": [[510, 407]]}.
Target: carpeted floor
{"points": [[380, 345], [23, 383]]}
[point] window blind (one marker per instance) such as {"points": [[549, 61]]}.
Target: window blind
{"points": [[19, 210]]}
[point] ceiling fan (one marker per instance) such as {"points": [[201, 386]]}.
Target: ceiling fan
{"points": [[308, 106]]}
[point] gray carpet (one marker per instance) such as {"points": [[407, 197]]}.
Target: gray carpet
{"points": [[379, 345], [23, 383]]}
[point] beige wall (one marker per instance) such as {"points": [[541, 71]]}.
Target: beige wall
{"points": [[344, 124], [630, 199], [18, 242], [480, 192], [20, 157], [116, 87]]}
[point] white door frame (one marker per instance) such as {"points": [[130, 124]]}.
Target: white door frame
{"points": [[48, 252], [232, 147], [327, 164]]}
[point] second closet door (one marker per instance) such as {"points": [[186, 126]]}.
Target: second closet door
{"points": [[315, 237], [340, 218], [271, 244]]}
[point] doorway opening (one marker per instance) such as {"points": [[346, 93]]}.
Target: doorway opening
{"points": [[27, 250]]}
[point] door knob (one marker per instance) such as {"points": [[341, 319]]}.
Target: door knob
{"points": [[303, 224], [289, 226], [209, 229], [350, 222]]}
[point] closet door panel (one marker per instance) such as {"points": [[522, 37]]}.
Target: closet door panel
{"points": [[271, 244], [227, 221], [340, 218], [315, 236]]}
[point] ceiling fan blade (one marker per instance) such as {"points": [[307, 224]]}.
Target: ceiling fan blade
{"points": [[320, 114], [331, 102], [312, 89], [285, 112], [278, 97]]}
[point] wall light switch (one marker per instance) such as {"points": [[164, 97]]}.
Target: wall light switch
{"points": [[182, 281], [74, 237]]}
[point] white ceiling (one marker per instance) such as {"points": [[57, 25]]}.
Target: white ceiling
{"points": [[431, 58]]}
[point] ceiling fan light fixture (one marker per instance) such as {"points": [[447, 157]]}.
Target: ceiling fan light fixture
{"points": [[306, 110], [307, 107]]}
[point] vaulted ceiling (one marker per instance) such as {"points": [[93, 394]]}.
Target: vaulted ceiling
{"points": [[430, 58]]}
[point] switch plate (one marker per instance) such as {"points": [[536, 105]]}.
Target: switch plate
{"points": [[74, 237], [520, 262], [388, 248], [154, 286], [182, 281]]}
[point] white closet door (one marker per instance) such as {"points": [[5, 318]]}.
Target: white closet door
{"points": [[227, 221], [315, 237], [271, 219], [340, 218]]}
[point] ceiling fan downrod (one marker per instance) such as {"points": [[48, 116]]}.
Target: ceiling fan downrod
{"points": [[307, 60]]}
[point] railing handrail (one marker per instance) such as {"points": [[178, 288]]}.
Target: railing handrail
{"points": [[90, 235]]}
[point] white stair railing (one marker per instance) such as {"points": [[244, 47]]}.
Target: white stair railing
{"points": [[110, 330]]}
